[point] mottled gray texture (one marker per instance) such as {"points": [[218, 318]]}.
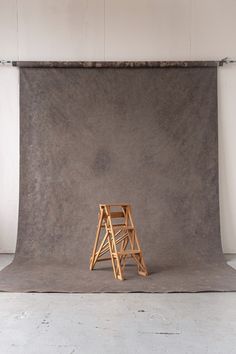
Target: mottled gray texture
{"points": [[147, 137]]}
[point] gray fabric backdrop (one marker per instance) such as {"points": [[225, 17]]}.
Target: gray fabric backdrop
{"points": [[142, 136]]}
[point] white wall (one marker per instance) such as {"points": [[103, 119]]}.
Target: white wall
{"points": [[115, 30], [9, 157], [227, 156]]}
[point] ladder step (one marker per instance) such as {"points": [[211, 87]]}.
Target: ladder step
{"points": [[111, 205], [120, 226], [126, 253]]}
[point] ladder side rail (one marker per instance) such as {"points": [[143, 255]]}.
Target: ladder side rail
{"points": [[100, 220], [118, 266]]}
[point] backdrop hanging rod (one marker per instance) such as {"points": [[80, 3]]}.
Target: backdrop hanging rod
{"points": [[6, 63], [117, 64], [228, 61]]}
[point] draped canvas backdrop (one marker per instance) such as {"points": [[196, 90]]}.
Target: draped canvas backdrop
{"points": [[145, 136]]}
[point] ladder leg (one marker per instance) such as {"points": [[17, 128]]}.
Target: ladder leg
{"points": [[142, 269], [119, 272], [112, 259], [92, 260], [98, 253]]}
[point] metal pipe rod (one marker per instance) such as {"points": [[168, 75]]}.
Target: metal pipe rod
{"points": [[117, 64]]}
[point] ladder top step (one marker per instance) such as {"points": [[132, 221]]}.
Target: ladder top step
{"points": [[103, 205], [117, 214]]}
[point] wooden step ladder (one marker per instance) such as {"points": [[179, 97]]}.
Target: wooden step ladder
{"points": [[116, 235]]}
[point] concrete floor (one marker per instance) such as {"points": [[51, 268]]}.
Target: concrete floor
{"points": [[117, 323]]}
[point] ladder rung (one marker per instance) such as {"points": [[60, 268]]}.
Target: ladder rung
{"points": [[119, 205], [121, 226], [126, 253], [103, 259]]}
